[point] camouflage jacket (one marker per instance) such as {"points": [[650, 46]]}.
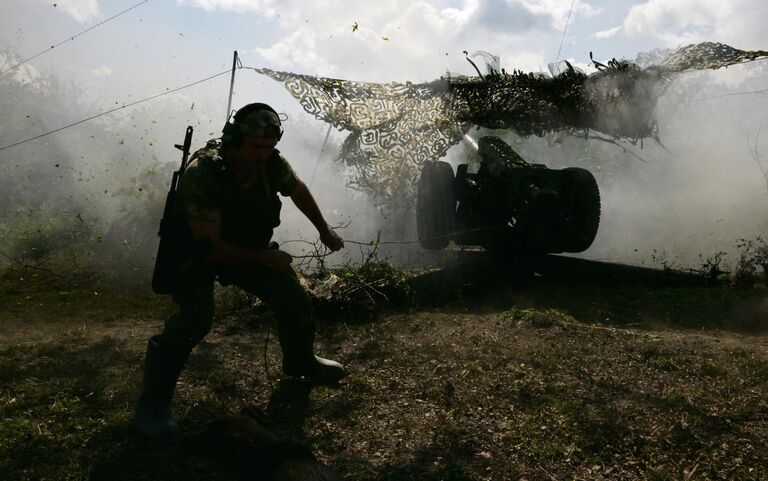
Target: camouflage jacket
{"points": [[248, 213]]}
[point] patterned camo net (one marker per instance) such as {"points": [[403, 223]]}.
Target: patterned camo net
{"points": [[394, 128]]}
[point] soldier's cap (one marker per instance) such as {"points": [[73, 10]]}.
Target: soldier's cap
{"points": [[261, 123]]}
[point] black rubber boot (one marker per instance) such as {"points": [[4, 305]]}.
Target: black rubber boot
{"points": [[299, 359], [153, 410]]}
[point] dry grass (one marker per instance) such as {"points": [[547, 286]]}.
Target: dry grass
{"points": [[498, 385]]}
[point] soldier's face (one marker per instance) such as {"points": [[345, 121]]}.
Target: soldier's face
{"points": [[256, 150]]}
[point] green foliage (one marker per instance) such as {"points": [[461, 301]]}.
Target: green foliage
{"points": [[100, 185], [659, 360], [356, 292], [379, 280], [37, 234], [541, 318], [232, 298], [753, 256], [448, 393]]}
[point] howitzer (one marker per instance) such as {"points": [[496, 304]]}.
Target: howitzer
{"points": [[167, 259], [508, 206]]}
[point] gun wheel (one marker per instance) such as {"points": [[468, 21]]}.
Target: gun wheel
{"points": [[435, 205], [585, 210]]}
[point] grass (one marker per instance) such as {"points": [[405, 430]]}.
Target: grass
{"points": [[550, 382], [720, 307]]}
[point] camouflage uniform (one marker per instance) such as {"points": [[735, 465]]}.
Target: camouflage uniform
{"points": [[248, 213]]}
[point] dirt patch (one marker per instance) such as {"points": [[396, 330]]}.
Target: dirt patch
{"points": [[500, 384]]}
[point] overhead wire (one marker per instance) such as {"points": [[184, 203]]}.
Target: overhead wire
{"points": [[69, 39], [124, 106], [758, 93]]}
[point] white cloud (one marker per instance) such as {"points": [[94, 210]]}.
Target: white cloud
{"points": [[264, 7], [510, 16], [80, 10], [558, 10], [298, 48], [607, 33], [740, 23], [101, 71], [403, 36], [409, 39]]}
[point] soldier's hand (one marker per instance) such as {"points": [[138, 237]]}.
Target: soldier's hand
{"points": [[331, 239], [277, 260]]}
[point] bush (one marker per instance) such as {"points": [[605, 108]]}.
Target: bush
{"points": [[45, 233]]}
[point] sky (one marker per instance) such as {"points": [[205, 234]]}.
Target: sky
{"points": [[163, 44]]}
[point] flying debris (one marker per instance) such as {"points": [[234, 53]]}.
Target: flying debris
{"points": [[396, 127]]}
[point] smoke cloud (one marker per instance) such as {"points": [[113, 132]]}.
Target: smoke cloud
{"points": [[97, 189], [699, 192]]}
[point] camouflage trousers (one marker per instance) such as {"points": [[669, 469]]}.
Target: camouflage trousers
{"points": [[194, 295]]}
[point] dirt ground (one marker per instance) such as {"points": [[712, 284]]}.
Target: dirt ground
{"points": [[550, 382]]}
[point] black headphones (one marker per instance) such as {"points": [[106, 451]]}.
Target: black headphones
{"points": [[232, 134]]}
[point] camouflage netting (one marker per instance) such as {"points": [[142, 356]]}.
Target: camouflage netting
{"points": [[706, 55], [395, 127]]}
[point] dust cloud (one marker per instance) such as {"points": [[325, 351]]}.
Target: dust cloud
{"points": [[90, 197], [93, 195]]}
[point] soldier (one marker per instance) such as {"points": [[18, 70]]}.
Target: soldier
{"points": [[227, 202]]}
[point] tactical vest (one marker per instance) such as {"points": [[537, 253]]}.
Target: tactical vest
{"points": [[249, 213]]}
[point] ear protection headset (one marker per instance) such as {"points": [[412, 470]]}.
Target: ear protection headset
{"points": [[232, 134]]}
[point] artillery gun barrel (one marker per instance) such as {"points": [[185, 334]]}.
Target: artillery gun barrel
{"points": [[470, 142]]}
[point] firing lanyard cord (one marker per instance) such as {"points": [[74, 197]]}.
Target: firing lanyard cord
{"points": [[376, 243], [266, 361], [370, 244]]}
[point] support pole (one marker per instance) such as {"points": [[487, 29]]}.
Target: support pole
{"points": [[320, 155]]}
